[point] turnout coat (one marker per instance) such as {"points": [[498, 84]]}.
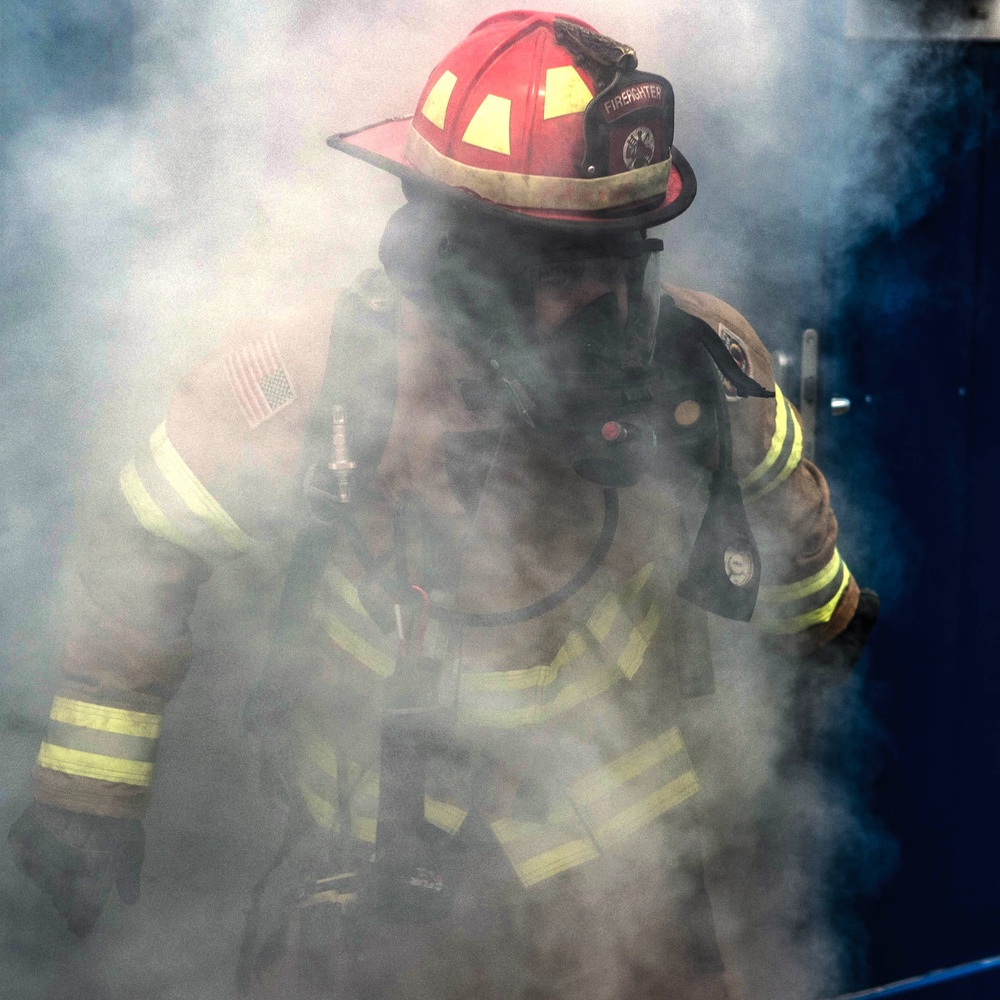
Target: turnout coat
{"points": [[567, 736]]}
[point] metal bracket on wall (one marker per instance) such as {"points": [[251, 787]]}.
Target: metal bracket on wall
{"points": [[923, 20]]}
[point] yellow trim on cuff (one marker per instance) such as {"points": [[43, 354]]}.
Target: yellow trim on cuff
{"points": [[199, 501], [803, 588], [95, 765], [106, 719], [821, 615]]}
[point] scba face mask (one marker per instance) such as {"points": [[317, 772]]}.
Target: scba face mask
{"points": [[564, 326], [581, 362], [591, 326]]}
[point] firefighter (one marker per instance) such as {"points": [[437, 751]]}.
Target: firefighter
{"points": [[514, 484]]}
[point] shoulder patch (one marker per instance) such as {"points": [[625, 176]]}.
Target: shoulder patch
{"points": [[259, 380], [740, 355]]}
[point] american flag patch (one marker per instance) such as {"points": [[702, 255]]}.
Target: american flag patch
{"points": [[260, 380]]}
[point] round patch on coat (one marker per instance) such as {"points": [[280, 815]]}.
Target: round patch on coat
{"points": [[739, 354], [739, 567], [687, 413]]}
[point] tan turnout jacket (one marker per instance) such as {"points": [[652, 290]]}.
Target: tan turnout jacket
{"points": [[582, 698]]}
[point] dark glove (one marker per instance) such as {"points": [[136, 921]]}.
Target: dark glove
{"points": [[76, 858], [824, 671], [838, 657]]}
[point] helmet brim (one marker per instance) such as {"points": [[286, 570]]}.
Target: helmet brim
{"points": [[383, 145]]}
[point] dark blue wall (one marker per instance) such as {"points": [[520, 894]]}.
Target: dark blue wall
{"points": [[915, 331]]}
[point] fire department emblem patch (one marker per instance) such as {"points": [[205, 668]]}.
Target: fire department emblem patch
{"points": [[639, 148], [739, 567], [259, 380], [739, 355]]}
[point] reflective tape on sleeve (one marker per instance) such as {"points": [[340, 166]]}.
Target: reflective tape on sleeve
{"points": [[93, 765], [98, 741], [171, 503], [783, 455], [112, 720], [148, 514], [794, 607]]}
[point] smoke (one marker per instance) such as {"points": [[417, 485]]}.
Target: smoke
{"points": [[166, 182]]}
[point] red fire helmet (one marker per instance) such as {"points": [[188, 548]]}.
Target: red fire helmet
{"points": [[539, 115]]}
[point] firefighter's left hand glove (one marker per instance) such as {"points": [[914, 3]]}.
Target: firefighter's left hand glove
{"points": [[77, 858], [835, 661]]}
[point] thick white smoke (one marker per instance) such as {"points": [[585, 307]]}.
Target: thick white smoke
{"points": [[204, 198]]}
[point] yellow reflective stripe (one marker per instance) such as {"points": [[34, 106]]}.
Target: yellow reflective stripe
{"points": [[444, 815], [511, 680], [555, 862], [109, 720], [781, 413], [95, 765], [777, 440], [323, 812], [627, 767], [791, 463], [810, 585], [793, 459], [318, 751], [364, 800], [635, 649], [636, 584], [604, 615], [508, 830], [436, 106], [564, 841], [336, 878], [345, 590], [353, 644], [597, 682], [149, 514], [343, 899], [629, 820], [800, 623], [574, 647], [510, 698], [199, 501], [364, 828]]}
